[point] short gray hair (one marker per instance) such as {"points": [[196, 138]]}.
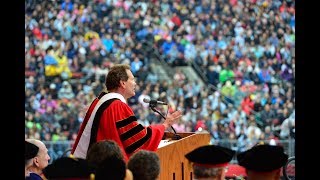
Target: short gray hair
{"points": [[204, 172]]}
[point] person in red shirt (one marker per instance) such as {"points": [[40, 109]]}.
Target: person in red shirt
{"points": [[110, 118], [247, 105]]}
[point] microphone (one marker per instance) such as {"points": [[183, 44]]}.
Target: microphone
{"points": [[154, 102]]}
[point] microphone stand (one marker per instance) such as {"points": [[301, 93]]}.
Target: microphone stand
{"points": [[175, 136]]}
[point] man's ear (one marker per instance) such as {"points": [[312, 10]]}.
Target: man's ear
{"points": [[122, 84], [129, 175], [36, 161]]}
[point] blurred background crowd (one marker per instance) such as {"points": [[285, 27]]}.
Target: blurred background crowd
{"points": [[244, 51]]}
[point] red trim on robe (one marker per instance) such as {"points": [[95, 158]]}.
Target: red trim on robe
{"points": [[84, 123]]}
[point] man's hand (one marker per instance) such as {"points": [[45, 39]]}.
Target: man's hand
{"points": [[172, 118]]}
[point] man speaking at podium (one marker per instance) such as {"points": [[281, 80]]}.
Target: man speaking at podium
{"points": [[110, 118]]}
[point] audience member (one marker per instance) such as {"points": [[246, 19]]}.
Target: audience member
{"points": [[144, 165], [263, 162], [65, 168], [114, 168], [40, 161], [102, 150], [210, 161], [101, 154], [31, 151]]}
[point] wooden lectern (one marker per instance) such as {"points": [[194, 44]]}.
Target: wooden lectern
{"points": [[174, 165]]}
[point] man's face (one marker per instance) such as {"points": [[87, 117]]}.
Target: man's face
{"points": [[130, 85], [43, 156]]}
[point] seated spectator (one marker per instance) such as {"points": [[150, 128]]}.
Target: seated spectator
{"points": [[144, 165], [107, 161], [263, 162], [210, 161], [66, 92], [40, 161], [31, 151], [112, 167], [101, 150], [68, 168]]}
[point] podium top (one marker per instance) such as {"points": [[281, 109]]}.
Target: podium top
{"points": [[165, 143], [169, 137]]}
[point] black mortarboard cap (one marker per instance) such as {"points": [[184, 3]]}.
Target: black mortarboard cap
{"points": [[31, 150], [210, 156], [68, 167], [263, 158]]}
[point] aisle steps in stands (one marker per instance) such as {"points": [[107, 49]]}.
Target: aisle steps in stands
{"points": [[191, 74], [164, 73]]}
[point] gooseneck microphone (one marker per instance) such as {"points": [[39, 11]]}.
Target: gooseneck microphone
{"points": [[154, 102], [152, 105]]}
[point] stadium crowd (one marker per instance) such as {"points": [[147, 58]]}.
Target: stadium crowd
{"points": [[245, 48]]}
